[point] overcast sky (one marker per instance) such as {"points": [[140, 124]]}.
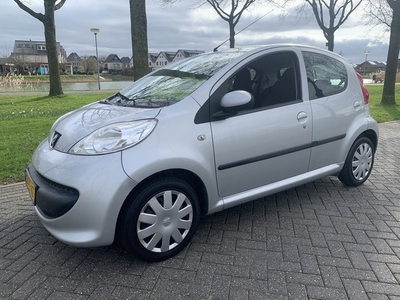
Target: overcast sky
{"points": [[181, 26]]}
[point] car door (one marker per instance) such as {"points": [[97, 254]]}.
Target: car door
{"points": [[266, 144], [334, 104]]}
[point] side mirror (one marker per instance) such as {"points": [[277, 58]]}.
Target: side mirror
{"points": [[236, 101], [232, 103]]}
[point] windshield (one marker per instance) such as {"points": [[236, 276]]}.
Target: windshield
{"points": [[173, 83]]}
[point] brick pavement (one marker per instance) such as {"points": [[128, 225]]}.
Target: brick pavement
{"points": [[318, 241]]}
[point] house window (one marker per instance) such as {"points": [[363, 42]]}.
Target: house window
{"points": [[41, 47]]}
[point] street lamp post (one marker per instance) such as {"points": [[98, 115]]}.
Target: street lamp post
{"points": [[366, 57], [95, 32]]}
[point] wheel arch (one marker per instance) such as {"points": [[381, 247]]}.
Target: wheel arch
{"points": [[189, 177], [372, 135]]}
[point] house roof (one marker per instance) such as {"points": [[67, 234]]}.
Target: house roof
{"points": [[73, 57], [113, 58], [378, 64], [189, 53], [153, 57], [371, 64], [168, 55], [125, 60], [34, 48]]}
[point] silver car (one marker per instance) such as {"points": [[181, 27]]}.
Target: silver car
{"points": [[196, 137]]}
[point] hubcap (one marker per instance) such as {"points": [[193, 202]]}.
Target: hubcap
{"points": [[164, 221], [362, 161]]}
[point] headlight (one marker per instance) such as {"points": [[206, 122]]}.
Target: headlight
{"points": [[114, 137]]}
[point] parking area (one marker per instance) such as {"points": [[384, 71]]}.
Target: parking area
{"points": [[317, 241]]}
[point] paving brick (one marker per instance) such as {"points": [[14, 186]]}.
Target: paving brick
{"points": [[382, 288], [221, 287], [296, 291], [331, 277], [383, 272], [309, 264], [320, 240], [354, 289], [277, 282], [326, 293]]}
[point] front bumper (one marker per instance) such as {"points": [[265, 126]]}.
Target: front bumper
{"points": [[52, 199], [78, 198]]}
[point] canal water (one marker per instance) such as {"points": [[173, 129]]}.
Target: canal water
{"points": [[68, 86]]}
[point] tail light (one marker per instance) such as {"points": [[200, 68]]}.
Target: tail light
{"points": [[364, 89]]}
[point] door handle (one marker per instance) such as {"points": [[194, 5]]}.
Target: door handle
{"points": [[302, 117], [357, 105]]}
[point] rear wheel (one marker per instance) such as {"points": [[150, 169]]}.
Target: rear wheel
{"points": [[161, 219], [359, 162]]}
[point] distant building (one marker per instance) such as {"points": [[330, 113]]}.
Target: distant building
{"points": [[112, 63], [371, 67], [164, 58], [182, 54], [75, 61], [152, 60], [126, 62], [5, 66], [33, 55]]}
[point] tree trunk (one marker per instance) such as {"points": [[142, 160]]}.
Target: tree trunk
{"points": [[388, 95], [51, 47], [139, 38], [330, 37], [231, 34]]}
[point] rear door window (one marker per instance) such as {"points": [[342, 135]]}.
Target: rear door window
{"points": [[326, 75]]}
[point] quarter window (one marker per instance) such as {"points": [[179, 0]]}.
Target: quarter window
{"points": [[326, 76]]}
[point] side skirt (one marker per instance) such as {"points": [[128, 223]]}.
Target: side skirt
{"points": [[276, 187]]}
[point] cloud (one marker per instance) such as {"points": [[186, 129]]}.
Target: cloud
{"points": [[181, 26]]}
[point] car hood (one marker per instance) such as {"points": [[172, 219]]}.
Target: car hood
{"points": [[74, 126]]}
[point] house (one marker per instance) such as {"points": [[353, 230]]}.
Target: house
{"points": [[5, 66], [152, 61], [164, 58], [182, 54], [32, 55], [112, 64], [126, 62], [75, 61], [371, 67]]}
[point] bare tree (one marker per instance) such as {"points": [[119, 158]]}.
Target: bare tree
{"points": [[331, 14], [139, 38], [387, 14], [231, 12], [48, 20], [89, 64]]}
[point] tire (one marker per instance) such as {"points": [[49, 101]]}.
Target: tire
{"points": [[359, 163], [161, 219]]}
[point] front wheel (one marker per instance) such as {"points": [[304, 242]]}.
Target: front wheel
{"points": [[359, 162], [161, 219]]}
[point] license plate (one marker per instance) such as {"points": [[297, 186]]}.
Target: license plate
{"points": [[32, 187]]}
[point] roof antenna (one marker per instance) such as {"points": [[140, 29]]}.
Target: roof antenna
{"points": [[216, 48]]}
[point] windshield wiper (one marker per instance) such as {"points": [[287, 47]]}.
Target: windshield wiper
{"points": [[123, 97], [119, 99], [180, 74]]}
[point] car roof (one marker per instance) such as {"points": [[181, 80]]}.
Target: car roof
{"points": [[256, 48]]}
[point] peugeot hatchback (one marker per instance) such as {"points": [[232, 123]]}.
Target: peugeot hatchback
{"points": [[196, 137]]}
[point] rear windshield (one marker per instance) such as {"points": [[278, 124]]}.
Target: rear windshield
{"points": [[174, 82]]}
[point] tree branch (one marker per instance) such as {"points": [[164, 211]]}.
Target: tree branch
{"points": [[59, 5], [34, 14]]}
